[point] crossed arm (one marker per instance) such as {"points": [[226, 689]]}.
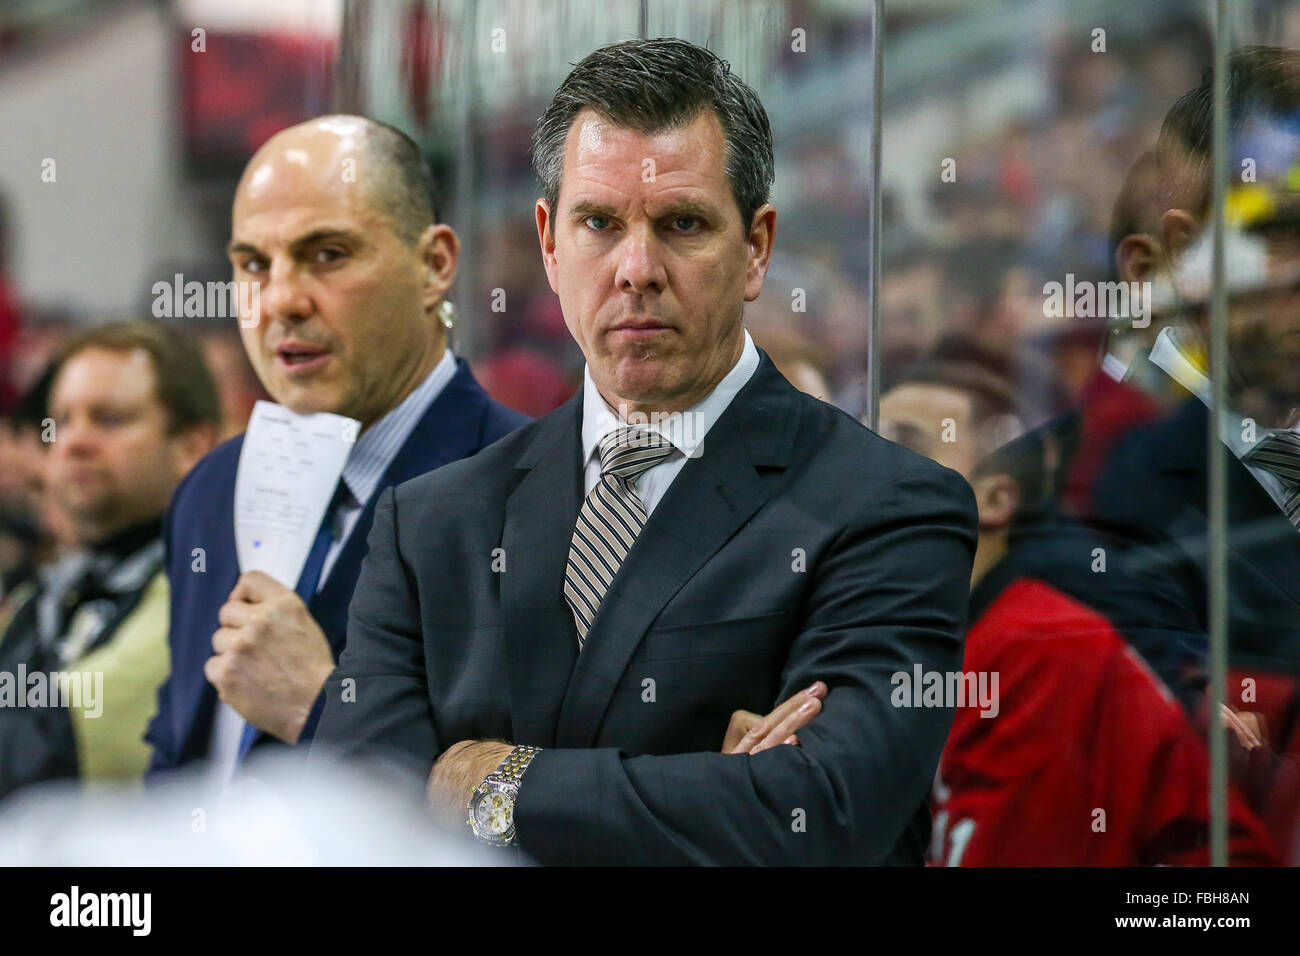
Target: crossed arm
{"points": [[464, 765], [885, 596]]}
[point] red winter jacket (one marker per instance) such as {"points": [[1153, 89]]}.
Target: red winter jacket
{"points": [[1089, 760]]}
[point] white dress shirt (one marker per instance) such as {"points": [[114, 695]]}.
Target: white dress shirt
{"points": [[686, 430], [1167, 355], [366, 463]]}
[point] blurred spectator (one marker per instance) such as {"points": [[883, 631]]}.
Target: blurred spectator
{"points": [[1062, 719], [954, 411], [1152, 494], [133, 408], [1087, 759], [21, 490], [797, 360]]}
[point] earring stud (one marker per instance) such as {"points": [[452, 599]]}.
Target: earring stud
{"points": [[447, 314]]}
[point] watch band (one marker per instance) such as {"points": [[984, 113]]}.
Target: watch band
{"points": [[516, 762]]}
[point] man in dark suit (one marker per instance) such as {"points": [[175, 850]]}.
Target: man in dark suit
{"points": [[334, 220], [554, 633]]}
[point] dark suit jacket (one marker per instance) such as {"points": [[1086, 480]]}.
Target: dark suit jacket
{"points": [[461, 421], [799, 546], [1152, 495]]}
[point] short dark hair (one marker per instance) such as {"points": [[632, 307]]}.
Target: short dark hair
{"points": [[653, 85], [29, 411], [1038, 462], [994, 411], [1260, 79], [184, 384], [1139, 206], [991, 396], [405, 188]]}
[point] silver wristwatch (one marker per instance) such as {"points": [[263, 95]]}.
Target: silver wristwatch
{"points": [[491, 806]]}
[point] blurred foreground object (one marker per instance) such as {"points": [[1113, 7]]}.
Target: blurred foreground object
{"points": [[285, 815]]}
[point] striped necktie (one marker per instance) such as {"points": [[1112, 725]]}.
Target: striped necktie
{"points": [[1279, 454], [610, 519]]}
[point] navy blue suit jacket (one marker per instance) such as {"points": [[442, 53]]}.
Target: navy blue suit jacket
{"points": [[461, 421]]}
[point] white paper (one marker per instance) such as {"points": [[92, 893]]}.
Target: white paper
{"points": [[288, 469]]}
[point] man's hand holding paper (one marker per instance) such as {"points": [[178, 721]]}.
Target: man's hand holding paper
{"points": [[271, 658]]}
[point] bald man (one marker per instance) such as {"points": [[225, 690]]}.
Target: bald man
{"points": [[335, 220]]}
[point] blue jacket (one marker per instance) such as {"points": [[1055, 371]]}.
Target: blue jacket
{"points": [[461, 421]]}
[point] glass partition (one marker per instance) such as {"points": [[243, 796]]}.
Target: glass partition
{"points": [[1047, 307], [1054, 249], [472, 78], [1254, 373]]}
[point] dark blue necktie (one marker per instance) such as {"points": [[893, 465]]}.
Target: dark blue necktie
{"points": [[307, 584]]}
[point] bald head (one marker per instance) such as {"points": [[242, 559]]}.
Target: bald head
{"points": [[334, 221], [379, 162]]}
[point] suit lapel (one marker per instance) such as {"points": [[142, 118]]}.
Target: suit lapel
{"points": [[541, 639], [710, 499], [198, 700]]}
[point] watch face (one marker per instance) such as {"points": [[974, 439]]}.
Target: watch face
{"points": [[494, 811]]}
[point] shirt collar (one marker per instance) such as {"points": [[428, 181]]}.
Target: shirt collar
{"points": [[1167, 354], [686, 430], [378, 445]]}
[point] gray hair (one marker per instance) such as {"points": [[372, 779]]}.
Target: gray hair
{"points": [[653, 85]]}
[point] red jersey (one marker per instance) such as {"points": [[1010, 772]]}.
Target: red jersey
{"points": [[1088, 760]]}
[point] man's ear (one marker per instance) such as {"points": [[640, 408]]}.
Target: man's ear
{"points": [[439, 254], [1178, 229], [997, 496], [1137, 257], [546, 239], [762, 234]]}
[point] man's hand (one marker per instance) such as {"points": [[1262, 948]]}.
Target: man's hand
{"points": [[457, 772], [748, 733], [1249, 727], [271, 657]]}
